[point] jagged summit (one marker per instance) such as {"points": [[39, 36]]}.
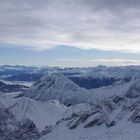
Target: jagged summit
{"points": [[57, 80], [56, 86]]}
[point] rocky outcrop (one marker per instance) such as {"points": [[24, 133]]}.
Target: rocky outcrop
{"points": [[11, 129]]}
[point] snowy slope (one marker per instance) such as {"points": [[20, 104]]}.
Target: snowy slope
{"points": [[115, 117], [6, 101], [123, 131], [41, 113], [92, 127]]}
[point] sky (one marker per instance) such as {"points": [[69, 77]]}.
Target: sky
{"points": [[70, 32]]}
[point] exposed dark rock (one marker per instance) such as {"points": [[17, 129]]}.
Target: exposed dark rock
{"points": [[48, 129], [11, 129], [135, 117], [112, 123], [92, 123], [117, 99]]}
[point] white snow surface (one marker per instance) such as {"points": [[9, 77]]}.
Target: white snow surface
{"points": [[122, 131]]}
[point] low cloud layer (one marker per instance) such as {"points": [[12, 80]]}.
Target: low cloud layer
{"points": [[98, 24], [96, 62]]}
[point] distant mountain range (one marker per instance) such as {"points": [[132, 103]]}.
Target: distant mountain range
{"points": [[4, 88], [92, 77]]}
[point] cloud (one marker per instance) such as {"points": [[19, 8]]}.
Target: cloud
{"points": [[86, 24], [96, 62]]}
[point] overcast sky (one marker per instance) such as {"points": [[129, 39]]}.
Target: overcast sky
{"points": [[98, 26]]}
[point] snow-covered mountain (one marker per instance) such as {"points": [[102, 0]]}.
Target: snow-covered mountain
{"points": [[57, 87], [16, 112], [110, 110], [41, 113], [13, 129], [56, 108], [114, 118], [36, 111]]}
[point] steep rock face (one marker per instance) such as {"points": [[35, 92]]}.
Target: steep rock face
{"points": [[57, 87], [135, 117], [107, 113], [12, 129], [27, 130]]}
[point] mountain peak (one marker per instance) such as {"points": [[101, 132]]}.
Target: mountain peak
{"points": [[55, 87]]}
